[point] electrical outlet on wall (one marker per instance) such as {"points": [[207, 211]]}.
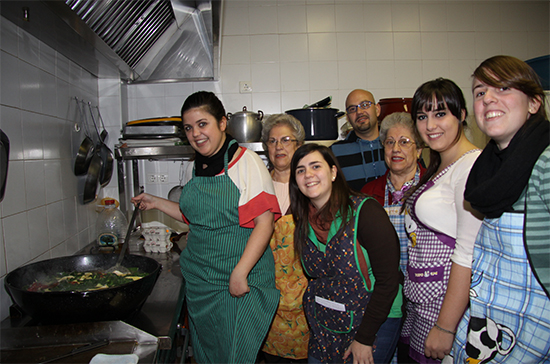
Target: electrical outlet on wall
{"points": [[245, 87], [157, 178]]}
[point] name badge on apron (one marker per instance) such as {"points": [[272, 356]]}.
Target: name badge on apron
{"points": [[333, 305], [393, 210]]}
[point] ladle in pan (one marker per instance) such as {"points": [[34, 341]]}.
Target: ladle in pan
{"points": [[118, 266]]}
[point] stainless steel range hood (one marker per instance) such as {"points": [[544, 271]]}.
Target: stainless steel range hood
{"points": [[147, 40], [160, 40]]}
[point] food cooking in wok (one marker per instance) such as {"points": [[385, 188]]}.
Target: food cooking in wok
{"points": [[84, 281]]}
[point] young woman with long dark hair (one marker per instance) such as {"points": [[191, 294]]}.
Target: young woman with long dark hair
{"points": [[350, 253], [441, 225]]}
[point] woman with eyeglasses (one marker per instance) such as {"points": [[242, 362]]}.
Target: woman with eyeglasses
{"points": [[441, 225], [228, 270], [350, 253], [288, 337], [402, 150]]}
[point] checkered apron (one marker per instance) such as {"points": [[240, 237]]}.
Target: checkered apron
{"points": [[426, 278], [393, 210], [509, 316]]}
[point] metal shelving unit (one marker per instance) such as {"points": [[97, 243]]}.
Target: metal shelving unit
{"points": [[127, 157]]}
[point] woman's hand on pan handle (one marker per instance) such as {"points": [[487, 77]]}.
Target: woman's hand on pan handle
{"points": [[145, 201]]}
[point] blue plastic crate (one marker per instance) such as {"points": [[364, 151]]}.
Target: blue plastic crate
{"points": [[541, 65]]}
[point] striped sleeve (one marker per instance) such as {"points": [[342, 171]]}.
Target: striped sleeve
{"points": [[537, 223], [253, 180]]}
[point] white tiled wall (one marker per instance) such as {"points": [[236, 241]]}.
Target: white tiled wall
{"points": [[298, 52], [41, 217]]}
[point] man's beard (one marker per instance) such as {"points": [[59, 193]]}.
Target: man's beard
{"points": [[365, 124]]}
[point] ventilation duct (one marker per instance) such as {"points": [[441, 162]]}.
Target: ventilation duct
{"points": [[147, 40], [160, 40]]}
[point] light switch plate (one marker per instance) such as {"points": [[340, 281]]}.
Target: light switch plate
{"points": [[245, 87]]}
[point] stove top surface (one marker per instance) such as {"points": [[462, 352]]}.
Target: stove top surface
{"points": [[157, 320], [75, 343]]}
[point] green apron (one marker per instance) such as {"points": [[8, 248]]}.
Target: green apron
{"points": [[224, 329]]}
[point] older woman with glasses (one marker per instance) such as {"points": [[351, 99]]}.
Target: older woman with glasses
{"points": [[287, 340], [402, 149]]}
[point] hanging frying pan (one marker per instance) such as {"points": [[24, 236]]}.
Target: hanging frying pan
{"points": [[105, 154], [90, 180], [4, 161], [86, 149], [104, 134], [175, 192]]}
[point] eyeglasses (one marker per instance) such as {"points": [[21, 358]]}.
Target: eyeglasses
{"points": [[363, 105], [285, 141], [403, 143]]}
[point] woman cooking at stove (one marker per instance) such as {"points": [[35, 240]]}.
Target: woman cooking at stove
{"points": [[230, 206], [288, 336]]}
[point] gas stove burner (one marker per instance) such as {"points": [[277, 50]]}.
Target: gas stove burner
{"points": [[76, 343]]}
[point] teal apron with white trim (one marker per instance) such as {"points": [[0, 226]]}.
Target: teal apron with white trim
{"points": [[509, 316], [224, 329]]}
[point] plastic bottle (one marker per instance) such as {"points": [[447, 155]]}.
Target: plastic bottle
{"points": [[111, 225]]}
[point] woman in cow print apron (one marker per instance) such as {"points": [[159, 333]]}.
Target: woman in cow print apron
{"points": [[509, 316]]}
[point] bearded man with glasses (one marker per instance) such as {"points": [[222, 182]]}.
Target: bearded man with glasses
{"points": [[361, 155]]}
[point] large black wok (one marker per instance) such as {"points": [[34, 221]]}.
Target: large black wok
{"points": [[116, 303]]}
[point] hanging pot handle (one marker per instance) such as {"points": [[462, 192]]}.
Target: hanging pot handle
{"points": [[93, 120], [260, 115], [339, 114], [83, 118]]}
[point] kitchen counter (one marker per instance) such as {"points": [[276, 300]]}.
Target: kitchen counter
{"points": [[164, 304], [161, 316]]}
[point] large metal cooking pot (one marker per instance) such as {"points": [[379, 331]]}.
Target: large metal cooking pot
{"points": [[245, 126], [115, 303], [318, 123]]}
